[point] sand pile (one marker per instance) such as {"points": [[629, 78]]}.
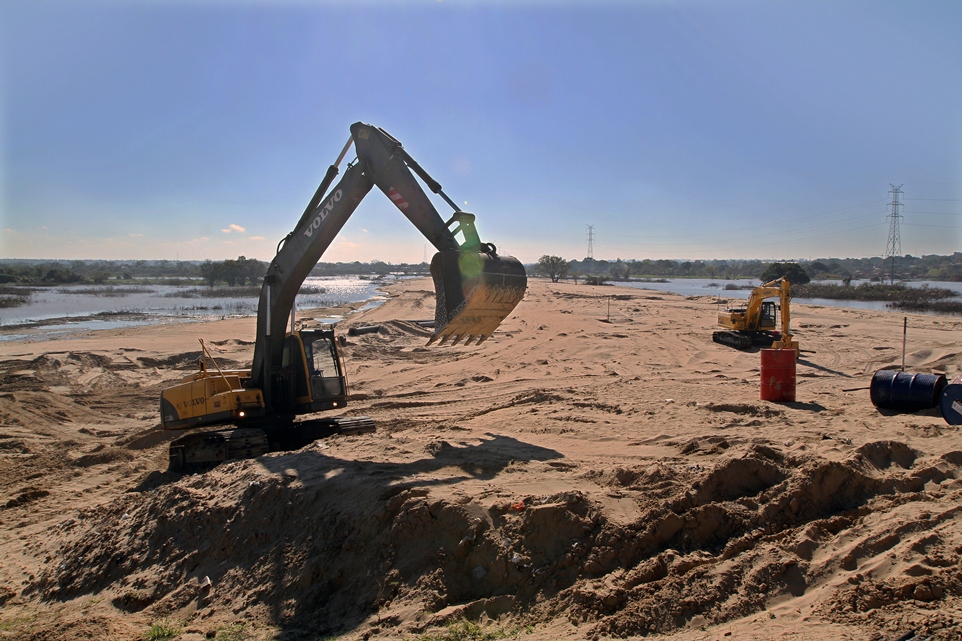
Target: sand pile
{"points": [[578, 476], [315, 541]]}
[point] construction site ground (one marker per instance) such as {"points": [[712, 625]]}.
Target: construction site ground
{"points": [[583, 474]]}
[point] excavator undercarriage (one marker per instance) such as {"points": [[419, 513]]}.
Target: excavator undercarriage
{"points": [[200, 450]]}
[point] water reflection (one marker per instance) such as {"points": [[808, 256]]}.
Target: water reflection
{"points": [[78, 305]]}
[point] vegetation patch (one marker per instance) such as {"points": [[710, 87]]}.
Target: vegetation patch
{"points": [[464, 630], [162, 631]]}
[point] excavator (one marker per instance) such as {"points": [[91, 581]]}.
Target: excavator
{"points": [[755, 324], [299, 372]]}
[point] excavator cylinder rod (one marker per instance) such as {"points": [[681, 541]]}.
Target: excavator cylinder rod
{"points": [[475, 291]]}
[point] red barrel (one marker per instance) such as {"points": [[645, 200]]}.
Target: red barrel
{"points": [[778, 375]]}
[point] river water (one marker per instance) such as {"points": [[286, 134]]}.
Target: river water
{"points": [[68, 309]]}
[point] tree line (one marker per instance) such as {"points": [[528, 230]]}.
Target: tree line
{"points": [[233, 272], [931, 267]]}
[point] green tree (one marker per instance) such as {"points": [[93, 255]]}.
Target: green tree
{"points": [[554, 267], [792, 271], [620, 270], [209, 272]]}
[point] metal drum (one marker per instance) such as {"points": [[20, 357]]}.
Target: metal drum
{"points": [[778, 375], [904, 392], [950, 402]]}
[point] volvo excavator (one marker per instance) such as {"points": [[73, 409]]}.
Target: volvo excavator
{"points": [[299, 372], [754, 324]]}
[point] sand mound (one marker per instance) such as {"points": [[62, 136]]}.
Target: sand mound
{"points": [[321, 542]]}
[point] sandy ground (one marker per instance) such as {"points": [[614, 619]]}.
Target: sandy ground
{"points": [[578, 476]]}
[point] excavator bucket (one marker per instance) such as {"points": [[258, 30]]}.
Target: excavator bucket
{"points": [[475, 291]]}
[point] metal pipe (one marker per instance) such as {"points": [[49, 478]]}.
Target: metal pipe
{"points": [[905, 329]]}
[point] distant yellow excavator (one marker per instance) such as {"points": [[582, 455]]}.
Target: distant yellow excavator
{"points": [[755, 324]]}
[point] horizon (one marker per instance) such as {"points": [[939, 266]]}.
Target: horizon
{"points": [[199, 129], [533, 262]]}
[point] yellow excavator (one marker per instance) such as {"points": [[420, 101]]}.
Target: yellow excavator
{"points": [[754, 324], [299, 372]]}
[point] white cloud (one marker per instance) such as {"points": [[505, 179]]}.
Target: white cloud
{"points": [[136, 235], [257, 238], [233, 227], [228, 242]]}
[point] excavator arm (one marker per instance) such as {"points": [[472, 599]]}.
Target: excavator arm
{"points": [[475, 288]]}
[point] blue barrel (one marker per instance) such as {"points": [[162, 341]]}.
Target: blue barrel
{"points": [[904, 392], [950, 403]]}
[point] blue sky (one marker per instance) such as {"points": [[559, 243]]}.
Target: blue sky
{"points": [[714, 129]]}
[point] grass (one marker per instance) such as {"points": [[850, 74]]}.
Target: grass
{"points": [[913, 299], [14, 296], [11, 624], [108, 291], [246, 291], [464, 630], [162, 631], [233, 632], [873, 292]]}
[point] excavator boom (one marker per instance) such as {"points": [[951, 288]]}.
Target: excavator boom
{"points": [[300, 372], [475, 287]]}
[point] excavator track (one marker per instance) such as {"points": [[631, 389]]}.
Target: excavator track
{"points": [[746, 340], [733, 339], [203, 450]]}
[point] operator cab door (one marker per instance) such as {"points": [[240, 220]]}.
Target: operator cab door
{"points": [[767, 320], [326, 388]]}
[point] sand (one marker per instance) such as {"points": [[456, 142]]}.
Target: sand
{"points": [[583, 474]]}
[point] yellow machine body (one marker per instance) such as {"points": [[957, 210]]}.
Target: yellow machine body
{"points": [[758, 317], [209, 398], [309, 380]]}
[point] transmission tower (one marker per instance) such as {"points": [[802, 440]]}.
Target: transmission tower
{"points": [[893, 247], [591, 242]]}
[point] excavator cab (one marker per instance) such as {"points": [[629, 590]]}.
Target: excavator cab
{"points": [[310, 378], [768, 318]]}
